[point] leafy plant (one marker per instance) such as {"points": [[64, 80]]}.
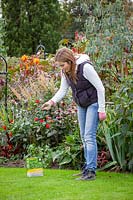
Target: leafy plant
{"points": [[118, 127], [69, 153], [34, 151], [109, 31]]}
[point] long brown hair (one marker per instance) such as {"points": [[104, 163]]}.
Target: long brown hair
{"points": [[66, 55]]}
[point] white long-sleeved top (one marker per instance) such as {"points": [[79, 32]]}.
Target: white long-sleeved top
{"points": [[91, 75]]}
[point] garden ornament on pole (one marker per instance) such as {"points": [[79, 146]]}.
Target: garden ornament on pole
{"points": [[41, 48], [4, 72]]}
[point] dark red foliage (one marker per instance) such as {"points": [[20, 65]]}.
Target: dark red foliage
{"points": [[9, 149], [103, 158]]}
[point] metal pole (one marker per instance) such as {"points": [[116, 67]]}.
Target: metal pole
{"points": [[40, 47], [6, 74]]}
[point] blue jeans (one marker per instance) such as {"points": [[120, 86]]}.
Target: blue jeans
{"points": [[88, 123]]}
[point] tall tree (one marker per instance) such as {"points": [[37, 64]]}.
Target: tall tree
{"points": [[29, 22], [76, 19]]}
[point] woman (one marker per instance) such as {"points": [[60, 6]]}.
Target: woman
{"points": [[89, 94]]}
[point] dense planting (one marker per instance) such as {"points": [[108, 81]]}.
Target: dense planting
{"points": [[106, 35]]}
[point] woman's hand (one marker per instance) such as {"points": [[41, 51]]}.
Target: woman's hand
{"points": [[102, 116], [48, 105]]}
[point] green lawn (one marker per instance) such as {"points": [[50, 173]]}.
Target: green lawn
{"points": [[60, 185]]}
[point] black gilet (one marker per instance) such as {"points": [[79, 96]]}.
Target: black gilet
{"points": [[84, 93]]}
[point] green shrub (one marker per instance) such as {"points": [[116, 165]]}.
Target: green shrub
{"points": [[2, 32], [118, 128], [32, 22]]}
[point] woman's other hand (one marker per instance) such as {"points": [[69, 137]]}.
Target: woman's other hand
{"points": [[102, 116], [48, 105]]}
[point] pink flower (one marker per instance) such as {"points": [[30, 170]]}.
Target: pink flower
{"points": [[1, 82], [58, 117]]}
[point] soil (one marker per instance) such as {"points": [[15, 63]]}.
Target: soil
{"points": [[16, 163]]}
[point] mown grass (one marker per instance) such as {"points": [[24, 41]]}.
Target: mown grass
{"points": [[61, 185]]}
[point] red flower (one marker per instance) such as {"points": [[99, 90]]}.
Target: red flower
{"points": [[4, 127], [41, 120], [47, 125], [36, 119], [37, 101]]}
